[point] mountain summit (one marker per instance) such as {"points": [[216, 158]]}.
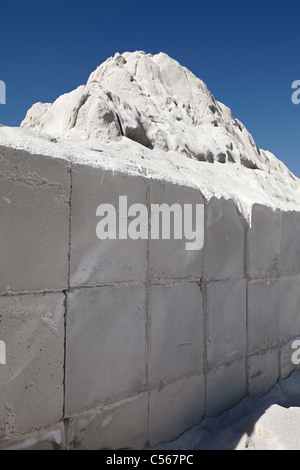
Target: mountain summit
{"points": [[144, 114], [152, 100]]}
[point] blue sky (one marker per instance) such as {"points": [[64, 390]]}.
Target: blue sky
{"points": [[247, 53]]}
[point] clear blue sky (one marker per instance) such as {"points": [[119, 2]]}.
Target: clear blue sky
{"points": [[247, 53]]}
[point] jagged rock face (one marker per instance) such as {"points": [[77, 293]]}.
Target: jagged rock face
{"points": [[156, 102]]}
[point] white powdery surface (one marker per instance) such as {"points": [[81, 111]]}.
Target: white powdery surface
{"points": [[147, 115]]}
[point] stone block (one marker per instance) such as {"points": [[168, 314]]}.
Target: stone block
{"points": [[170, 258], [225, 386], [97, 261], [289, 307], [290, 243], [106, 345], [176, 332], [34, 240], [226, 321], [47, 439], [263, 301], [175, 408], [224, 254], [263, 372], [263, 242], [31, 382], [117, 426]]}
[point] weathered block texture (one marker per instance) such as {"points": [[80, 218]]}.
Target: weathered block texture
{"points": [[263, 372], [94, 261], [31, 382], [47, 439], [176, 332], [175, 408], [169, 258], [263, 242], [106, 345], [290, 246], [226, 321], [263, 304], [224, 241], [289, 307], [225, 386], [121, 425], [34, 233]]}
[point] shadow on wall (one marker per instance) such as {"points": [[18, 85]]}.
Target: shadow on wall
{"points": [[269, 422]]}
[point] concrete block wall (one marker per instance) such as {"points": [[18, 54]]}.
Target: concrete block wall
{"points": [[127, 343]]}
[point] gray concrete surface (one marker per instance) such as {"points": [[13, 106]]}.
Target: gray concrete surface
{"points": [[94, 261], [176, 315], [263, 242], [263, 304], [169, 259], [34, 235], [263, 372], [123, 424], [31, 382], [225, 386], [290, 247], [226, 321], [224, 241], [95, 328], [185, 398], [106, 346]]}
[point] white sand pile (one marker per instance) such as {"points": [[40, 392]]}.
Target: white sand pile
{"points": [[148, 115]]}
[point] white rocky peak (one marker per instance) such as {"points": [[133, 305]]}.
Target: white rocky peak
{"points": [[153, 100], [144, 114]]}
